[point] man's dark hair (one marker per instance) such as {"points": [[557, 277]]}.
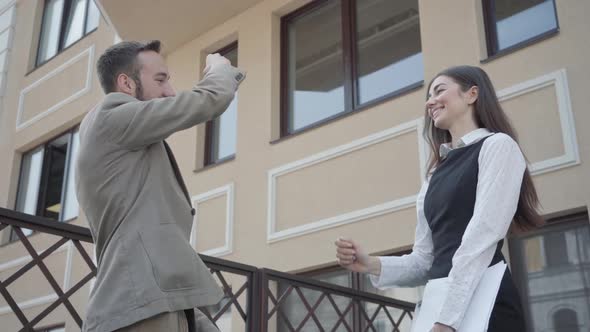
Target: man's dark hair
{"points": [[122, 58]]}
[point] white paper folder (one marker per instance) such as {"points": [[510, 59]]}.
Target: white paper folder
{"points": [[480, 308]]}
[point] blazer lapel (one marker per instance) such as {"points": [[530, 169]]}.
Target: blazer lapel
{"points": [[178, 175]]}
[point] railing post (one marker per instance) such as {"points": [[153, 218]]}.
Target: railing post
{"points": [[253, 323], [263, 291]]}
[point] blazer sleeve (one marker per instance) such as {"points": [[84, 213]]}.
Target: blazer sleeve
{"points": [[133, 124]]}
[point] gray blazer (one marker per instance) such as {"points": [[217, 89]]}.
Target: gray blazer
{"points": [[137, 206]]}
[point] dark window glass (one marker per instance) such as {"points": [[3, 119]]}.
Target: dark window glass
{"points": [[46, 183], [53, 182], [221, 132], [552, 269], [49, 42], [555, 249], [510, 22], [93, 17], [340, 55], [316, 72], [64, 23], [389, 48], [74, 28], [565, 320]]}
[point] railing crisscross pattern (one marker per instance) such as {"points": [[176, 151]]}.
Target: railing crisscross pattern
{"points": [[252, 300], [38, 261], [361, 310]]}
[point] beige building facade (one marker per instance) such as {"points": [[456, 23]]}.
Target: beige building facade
{"points": [[324, 138]]}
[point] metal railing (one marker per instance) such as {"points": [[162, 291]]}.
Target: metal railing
{"points": [[341, 308], [260, 300]]}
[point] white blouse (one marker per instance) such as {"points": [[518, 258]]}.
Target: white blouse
{"points": [[501, 170]]}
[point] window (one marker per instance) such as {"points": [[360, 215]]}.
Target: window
{"points": [[220, 133], [64, 23], [295, 309], [552, 269], [47, 186], [339, 56], [565, 320], [555, 245], [510, 23]]}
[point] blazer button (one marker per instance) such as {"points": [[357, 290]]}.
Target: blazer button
{"points": [[193, 211]]}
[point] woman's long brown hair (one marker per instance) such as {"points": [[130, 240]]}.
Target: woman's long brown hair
{"points": [[488, 114]]}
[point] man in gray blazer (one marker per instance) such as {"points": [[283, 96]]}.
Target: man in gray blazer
{"points": [[128, 184]]}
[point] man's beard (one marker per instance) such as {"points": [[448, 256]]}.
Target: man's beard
{"points": [[138, 87], [139, 91]]}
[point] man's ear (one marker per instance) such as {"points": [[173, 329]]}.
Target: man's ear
{"points": [[472, 94], [126, 84]]}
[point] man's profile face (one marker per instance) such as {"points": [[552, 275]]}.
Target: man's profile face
{"points": [[154, 77]]}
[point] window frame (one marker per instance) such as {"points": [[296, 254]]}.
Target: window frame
{"points": [[44, 177], [208, 161], [556, 222], [62, 27], [491, 33], [350, 66]]}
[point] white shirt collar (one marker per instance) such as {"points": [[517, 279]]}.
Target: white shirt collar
{"points": [[468, 139]]}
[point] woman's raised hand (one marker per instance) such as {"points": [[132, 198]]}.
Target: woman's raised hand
{"points": [[352, 257]]}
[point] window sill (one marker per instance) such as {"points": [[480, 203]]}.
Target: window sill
{"points": [[523, 44], [37, 66], [370, 104], [215, 164]]}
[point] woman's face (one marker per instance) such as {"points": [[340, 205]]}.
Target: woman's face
{"points": [[447, 104]]}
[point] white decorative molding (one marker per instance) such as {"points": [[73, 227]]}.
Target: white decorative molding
{"points": [[228, 191], [352, 216], [31, 303], [47, 299], [26, 259], [89, 52], [8, 17], [558, 79], [571, 157]]}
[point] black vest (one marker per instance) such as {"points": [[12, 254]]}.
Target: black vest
{"points": [[449, 204]]}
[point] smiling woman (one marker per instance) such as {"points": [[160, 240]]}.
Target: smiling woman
{"points": [[471, 86], [477, 187]]}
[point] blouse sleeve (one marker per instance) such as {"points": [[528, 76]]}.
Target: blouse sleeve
{"points": [[412, 269]]}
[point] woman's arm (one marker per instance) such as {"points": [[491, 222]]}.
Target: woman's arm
{"points": [[412, 269]]}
